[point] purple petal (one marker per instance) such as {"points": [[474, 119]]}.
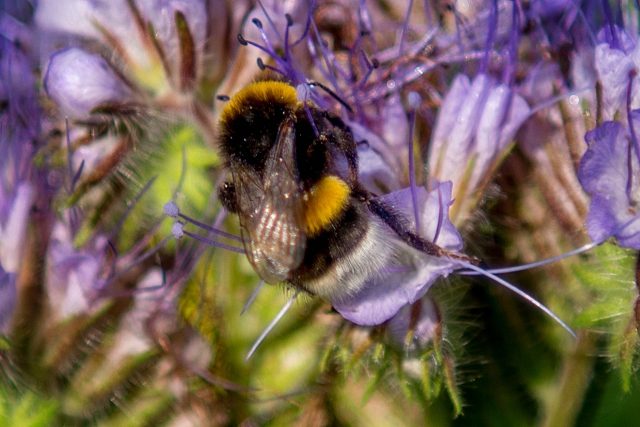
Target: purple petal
{"points": [[13, 230], [161, 13], [503, 115], [8, 297], [374, 173], [72, 273], [79, 82], [604, 174], [613, 67], [449, 111], [399, 284], [395, 126], [454, 136], [549, 8], [78, 17], [420, 318]]}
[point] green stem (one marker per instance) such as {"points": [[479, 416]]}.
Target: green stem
{"points": [[563, 405]]}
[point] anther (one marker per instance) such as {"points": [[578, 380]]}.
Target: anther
{"points": [[257, 23]]}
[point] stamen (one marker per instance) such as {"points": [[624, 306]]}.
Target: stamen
{"points": [[491, 34], [307, 110], [271, 325], [286, 35], [514, 38], [371, 65], [528, 298], [133, 263], [540, 263], [441, 216], [307, 24], [172, 210], [611, 26], [329, 73], [405, 28], [268, 44], [632, 130], [413, 100], [264, 66], [144, 289], [269, 20], [252, 297], [130, 206], [212, 243]]}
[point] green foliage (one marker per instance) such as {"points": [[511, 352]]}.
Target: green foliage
{"points": [[27, 409]]}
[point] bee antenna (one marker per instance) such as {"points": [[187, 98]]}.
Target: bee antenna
{"points": [[271, 325], [332, 93]]}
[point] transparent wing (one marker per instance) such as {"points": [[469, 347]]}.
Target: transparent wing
{"points": [[270, 210]]}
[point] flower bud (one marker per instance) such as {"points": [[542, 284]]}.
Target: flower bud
{"points": [[80, 82]]}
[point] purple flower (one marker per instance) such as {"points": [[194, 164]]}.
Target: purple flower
{"points": [[72, 273], [609, 173], [475, 124], [174, 52], [19, 128], [7, 298], [419, 322], [408, 274], [615, 57], [81, 82]]}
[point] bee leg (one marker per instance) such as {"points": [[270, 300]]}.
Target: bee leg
{"points": [[227, 196], [396, 223]]}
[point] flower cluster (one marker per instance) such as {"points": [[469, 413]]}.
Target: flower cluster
{"points": [[478, 134]]}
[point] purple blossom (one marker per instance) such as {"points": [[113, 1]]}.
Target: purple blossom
{"points": [[475, 124], [73, 273], [19, 129], [408, 275], [609, 173], [613, 67], [7, 298], [123, 26], [81, 82], [419, 321]]}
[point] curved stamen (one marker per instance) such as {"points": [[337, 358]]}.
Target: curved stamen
{"points": [[522, 294], [414, 104], [271, 325], [540, 263], [172, 210], [252, 297], [491, 34]]}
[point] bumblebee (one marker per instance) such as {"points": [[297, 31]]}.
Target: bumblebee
{"points": [[293, 182]]}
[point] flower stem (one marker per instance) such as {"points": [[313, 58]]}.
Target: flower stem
{"points": [[563, 405]]}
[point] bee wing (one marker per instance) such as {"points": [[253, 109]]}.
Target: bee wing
{"points": [[271, 210]]}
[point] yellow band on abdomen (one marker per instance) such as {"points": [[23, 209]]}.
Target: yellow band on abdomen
{"points": [[324, 203]]}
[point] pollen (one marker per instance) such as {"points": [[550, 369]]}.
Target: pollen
{"points": [[258, 93], [324, 203]]}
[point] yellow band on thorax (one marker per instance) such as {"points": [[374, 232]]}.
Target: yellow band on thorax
{"points": [[324, 203], [262, 91]]}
